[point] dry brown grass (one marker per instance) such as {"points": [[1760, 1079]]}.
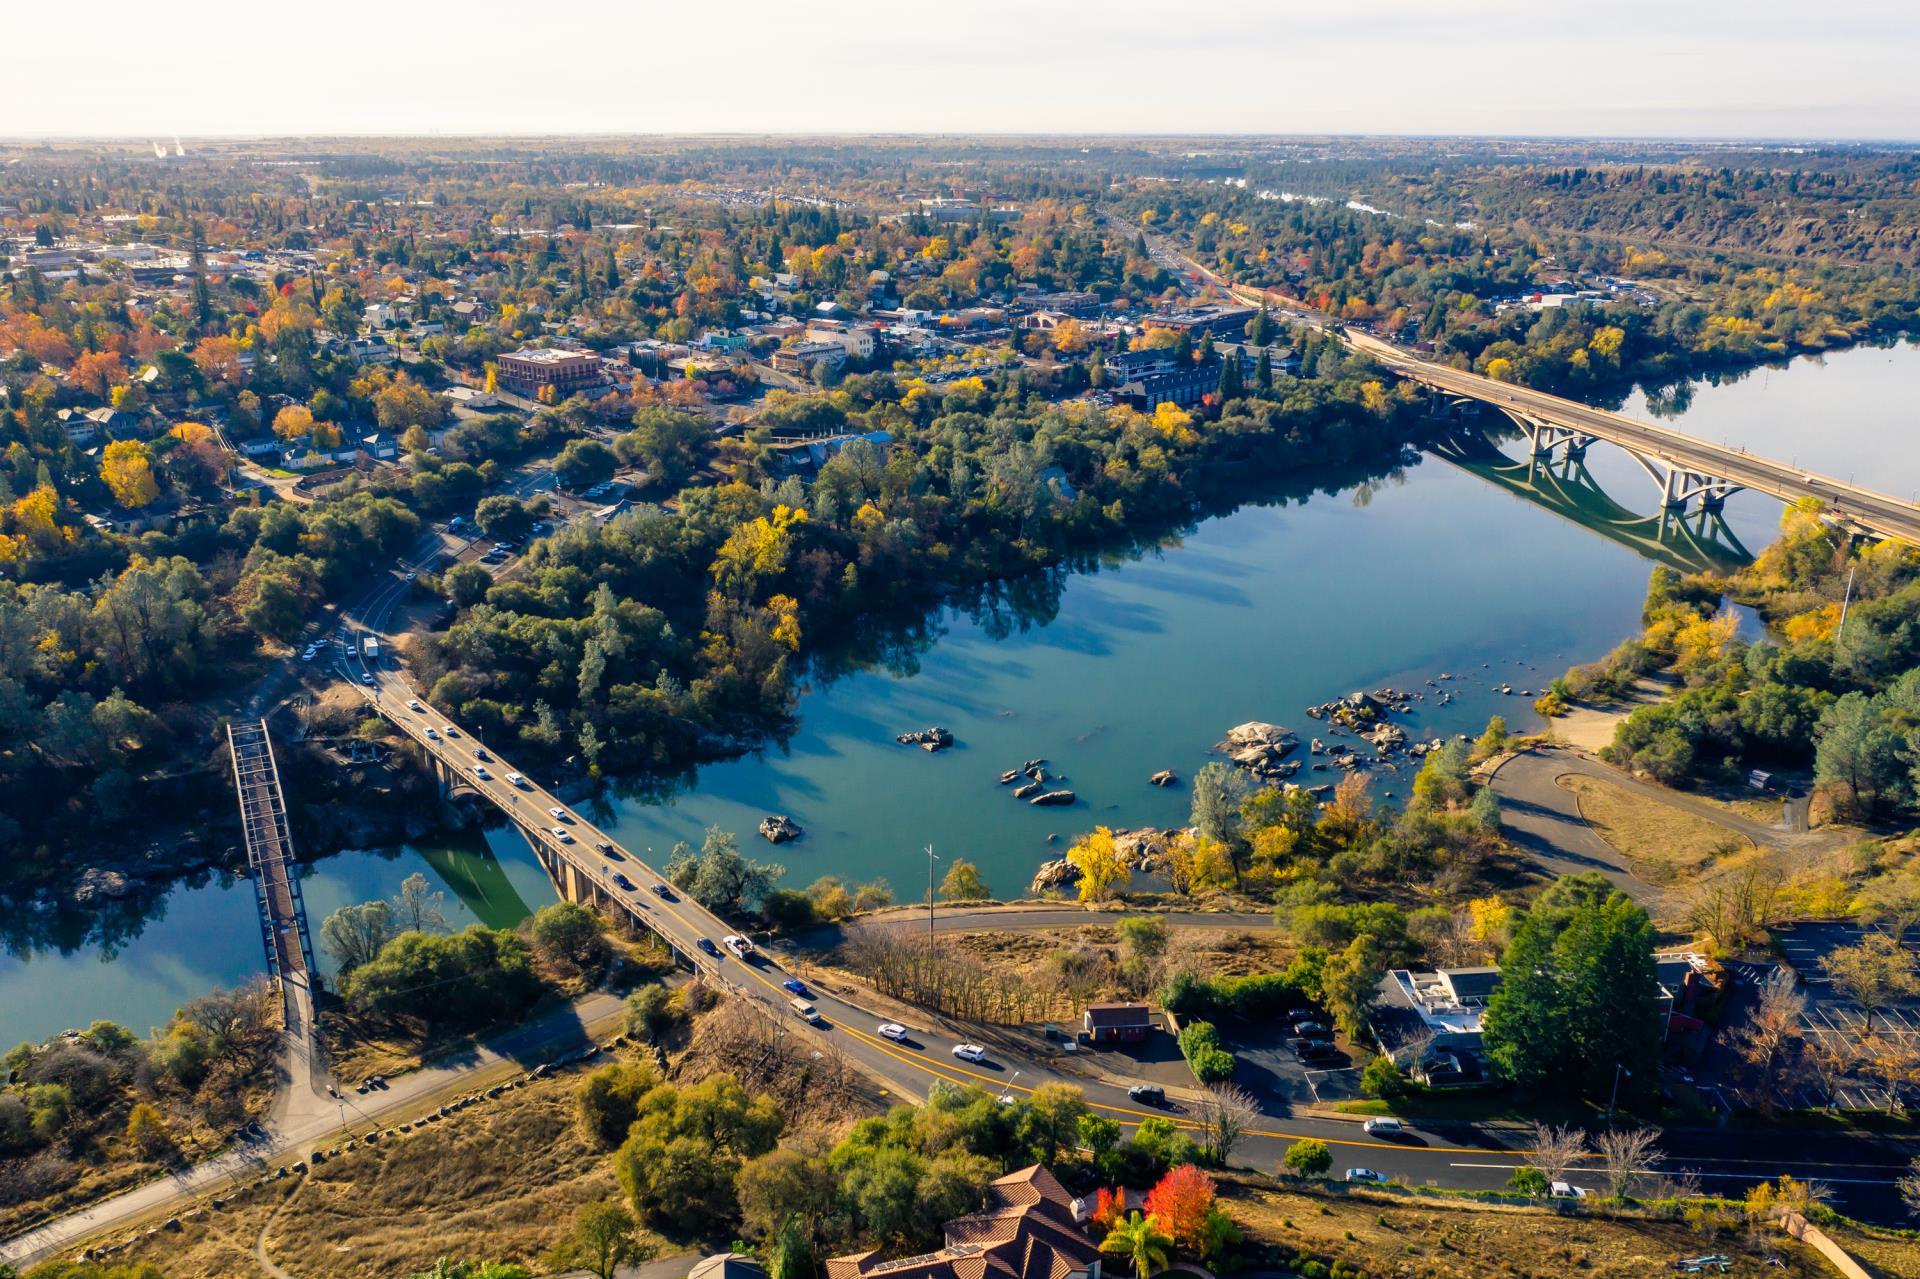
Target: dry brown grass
{"points": [[1891, 1253], [1429, 1239], [1664, 844]]}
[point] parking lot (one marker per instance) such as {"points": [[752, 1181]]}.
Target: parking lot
{"points": [[1836, 1027]]}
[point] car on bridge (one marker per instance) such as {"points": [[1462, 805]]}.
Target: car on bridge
{"points": [[707, 945], [740, 946], [626, 885], [560, 833], [480, 771], [433, 734], [416, 707], [661, 891], [606, 849], [559, 814], [519, 781], [480, 752], [450, 731]]}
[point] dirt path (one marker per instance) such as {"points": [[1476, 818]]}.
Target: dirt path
{"points": [[1589, 726]]}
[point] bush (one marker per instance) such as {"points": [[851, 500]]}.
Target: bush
{"points": [[608, 1102], [787, 909], [571, 937], [1257, 996], [461, 981], [650, 1012], [147, 1133], [1200, 1045], [1382, 1079], [1528, 1181], [1308, 1158]]}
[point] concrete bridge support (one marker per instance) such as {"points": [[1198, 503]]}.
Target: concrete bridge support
{"points": [[572, 886]]}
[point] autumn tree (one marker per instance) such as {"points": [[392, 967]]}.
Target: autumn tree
{"points": [[295, 422], [96, 371], [127, 468], [962, 882], [1102, 866], [1873, 973]]}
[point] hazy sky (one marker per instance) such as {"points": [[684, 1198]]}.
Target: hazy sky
{"points": [[1841, 68]]}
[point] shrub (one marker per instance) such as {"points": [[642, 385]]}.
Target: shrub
{"points": [[650, 1012], [1200, 1045], [1308, 1158], [787, 909], [1382, 1079]]}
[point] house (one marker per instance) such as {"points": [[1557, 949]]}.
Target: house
{"points": [[801, 357], [372, 350], [855, 339], [1030, 1229], [531, 368], [469, 313], [80, 429], [469, 397], [378, 315], [727, 1265], [1116, 1023], [380, 446]]}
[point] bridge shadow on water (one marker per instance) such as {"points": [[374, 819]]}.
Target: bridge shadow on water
{"points": [[1696, 542]]}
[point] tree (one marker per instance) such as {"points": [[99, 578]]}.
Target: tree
{"points": [[679, 1162], [1181, 1202], [466, 584], [1873, 973], [1307, 1158], [1892, 901], [583, 464], [127, 469], [1578, 995], [608, 1101], [1859, 752], [668, 444], [1556, 1150], [295, 422], [1763, 1037], [571, 936], [1530, 1182], [1382, 1078], [1350, 983], [1626, 1156], [1101, 865], [404, 403], [355, 934], [503, 517], [1053, 1119], [720, 877], [786, 1186], [1140, 1240], [1219, 792], [418, 908], [1909, 1187], [649, 1012], [962, 882], [603, 1238], [1222, 1116], [147, 1133]]}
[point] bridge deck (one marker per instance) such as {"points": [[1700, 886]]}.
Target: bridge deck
{"points": [[276, 884]]}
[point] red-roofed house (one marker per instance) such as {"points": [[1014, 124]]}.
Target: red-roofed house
{"points": [[1028, 1230]]}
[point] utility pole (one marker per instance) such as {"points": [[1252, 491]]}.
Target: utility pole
{"points": [[1846, 601], [1618, 1070], [931, 859]]}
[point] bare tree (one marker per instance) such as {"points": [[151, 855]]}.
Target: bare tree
{"points": [[1765, 1038], [1557, 1150], [1874, 973], [1224, 1113], [1626, 1156], [1736, 909]]}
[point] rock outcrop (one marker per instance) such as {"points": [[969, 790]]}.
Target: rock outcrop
{"points": [[779, 829]]}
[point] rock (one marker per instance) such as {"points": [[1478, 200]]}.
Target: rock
{"points": [[934, 738], [1318, 748], [1032, 764], [779, 829], [1024, 790], [1146, 849], [96, 884], [1009, 777], [1054, 875], [1052, 798], [1037, 773], [1165, 777], [1256, 733]]}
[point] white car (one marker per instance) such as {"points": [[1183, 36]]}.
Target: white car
{"points": [[416, 707], [367, 680], [560, 814], [893, 1030], [518, 780], [740, 946], [969, 1052], [560, 833], [1383, 1127], [1567, 1190], [1366, 1177], [433, 735], [480, 771]]}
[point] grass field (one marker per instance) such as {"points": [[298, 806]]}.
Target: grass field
{"points": [[1664, 844]]}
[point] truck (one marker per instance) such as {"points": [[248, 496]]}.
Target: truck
{"points": [[371, 647]]}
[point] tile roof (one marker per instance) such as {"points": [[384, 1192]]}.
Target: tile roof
{"points": [[1026, 1231]]}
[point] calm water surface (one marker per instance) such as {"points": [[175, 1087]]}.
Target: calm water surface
{"points": [[1135, 666]]}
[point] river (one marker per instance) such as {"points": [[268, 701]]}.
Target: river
{"points": [[1137, 664]]}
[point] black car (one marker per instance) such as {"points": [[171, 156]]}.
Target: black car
{"points": [[661, 891], [1314, 1049], [709, 947], [626, 884], [608, 851], [1148, 1094], [1312, 1030]]}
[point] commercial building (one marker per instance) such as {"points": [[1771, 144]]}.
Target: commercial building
{"points": [[1221, 321], [1116, 1023], [528, 370]]}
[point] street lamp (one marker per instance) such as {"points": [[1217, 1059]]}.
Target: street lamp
{"points": [[1618, 1070], [931, 859]]}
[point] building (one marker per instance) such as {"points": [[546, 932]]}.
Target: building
{"points": [[1221, 321], [372, 350], [855, 339], [1030, 1229], [727, 1265], [529, 369], [802, 356], [1116, 1023]]}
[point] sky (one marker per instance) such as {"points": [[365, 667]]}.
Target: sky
{"points": [[1657, 68]]}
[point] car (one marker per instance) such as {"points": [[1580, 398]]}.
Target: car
{"points": [[307, 656], [794, 986], [969, 1052], [892, 1030], [560, 814], [1148, 1094], [1383, 1127], [479, 752], [517, 780], [1567, 1190], [661, 891], [1313, 1030], [480, 771], [503, 546], [412, 577], [608, 850], [740, 946], [805, 1012], [626, 885], [451, 731], [560, 833], [1313, 1049], [416, 707], [707, 945], [367, 680], [1366, 1177], [433, 734]]}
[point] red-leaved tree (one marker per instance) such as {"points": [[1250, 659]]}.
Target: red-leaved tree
{"points": [[1109, 1206], [1182, 1201]]}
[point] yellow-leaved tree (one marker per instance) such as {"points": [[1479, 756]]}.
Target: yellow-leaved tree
{"points": [[127, 468], [1101, 866]]}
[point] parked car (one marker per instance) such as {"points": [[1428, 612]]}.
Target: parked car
{"points": [[1383, 1127], [892, 1030], [1366, 1177], [1314, 1049], [1148, 1094], [1567, 1190], [1313, 1030], [969, 1052]]}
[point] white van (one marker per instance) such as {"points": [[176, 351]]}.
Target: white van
{"points": [[805, 1011]]}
